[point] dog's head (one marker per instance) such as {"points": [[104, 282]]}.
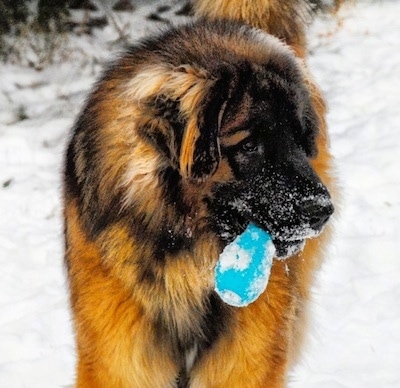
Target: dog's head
{"points": [[268, 138], [248, 132]]}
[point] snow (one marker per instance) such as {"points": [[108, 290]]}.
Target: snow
{"points": [[356, 319], [234, 257]]}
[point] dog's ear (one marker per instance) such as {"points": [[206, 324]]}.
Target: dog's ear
{"points": [[182, 115], [205, 153]]}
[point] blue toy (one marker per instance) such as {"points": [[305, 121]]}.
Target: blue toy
{"points": [[244, 266]]}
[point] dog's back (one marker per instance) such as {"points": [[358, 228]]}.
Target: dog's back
{"points": [[284, 19]]}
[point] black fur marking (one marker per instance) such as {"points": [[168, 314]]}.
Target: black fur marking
{"points": [[167, 242], [210, 325], [171, 184], [183, 379], [70, 178], [215, 320], [162, 245], [83, 152]]}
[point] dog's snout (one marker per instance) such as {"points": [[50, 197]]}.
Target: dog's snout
{"points": [[316, 211]]}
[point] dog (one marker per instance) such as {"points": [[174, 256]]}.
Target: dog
{"points": [[186, 138]]}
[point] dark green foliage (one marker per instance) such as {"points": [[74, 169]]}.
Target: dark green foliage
{"points": [[11, 13], [52, 15]]}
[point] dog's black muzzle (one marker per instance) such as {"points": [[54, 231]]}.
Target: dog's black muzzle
{"points": [[316, 210], [292, 204], [306, 220], [286, 199]]}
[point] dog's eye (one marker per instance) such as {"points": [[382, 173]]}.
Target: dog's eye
{"points": [[248, 145]]}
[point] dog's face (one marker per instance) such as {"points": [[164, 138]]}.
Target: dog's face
{"points": [[257, 124], [268, 132]]}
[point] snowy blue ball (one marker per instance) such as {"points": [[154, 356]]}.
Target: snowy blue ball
{"points": [[244, 266]]}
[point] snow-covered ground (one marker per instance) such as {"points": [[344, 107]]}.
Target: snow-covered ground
{"points": [[356, 337]]}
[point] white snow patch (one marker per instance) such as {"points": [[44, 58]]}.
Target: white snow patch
{"points": [[234, 257]]}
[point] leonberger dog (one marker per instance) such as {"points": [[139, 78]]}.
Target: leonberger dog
{"points": [[188, 137]]}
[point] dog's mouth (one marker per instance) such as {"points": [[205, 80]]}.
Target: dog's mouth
{"points": [[290, 223], [291, 230], [286, 249], [290, 241]]}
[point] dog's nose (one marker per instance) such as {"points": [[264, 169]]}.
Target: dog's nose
{"points": [[316, 211]]}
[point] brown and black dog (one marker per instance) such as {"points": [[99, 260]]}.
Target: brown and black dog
{"points": [[185, 140]]}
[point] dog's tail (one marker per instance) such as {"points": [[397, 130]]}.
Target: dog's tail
{"points": [[285, 19]]}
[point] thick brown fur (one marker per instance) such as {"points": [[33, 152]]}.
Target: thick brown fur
{"points": [[148, 173]]}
